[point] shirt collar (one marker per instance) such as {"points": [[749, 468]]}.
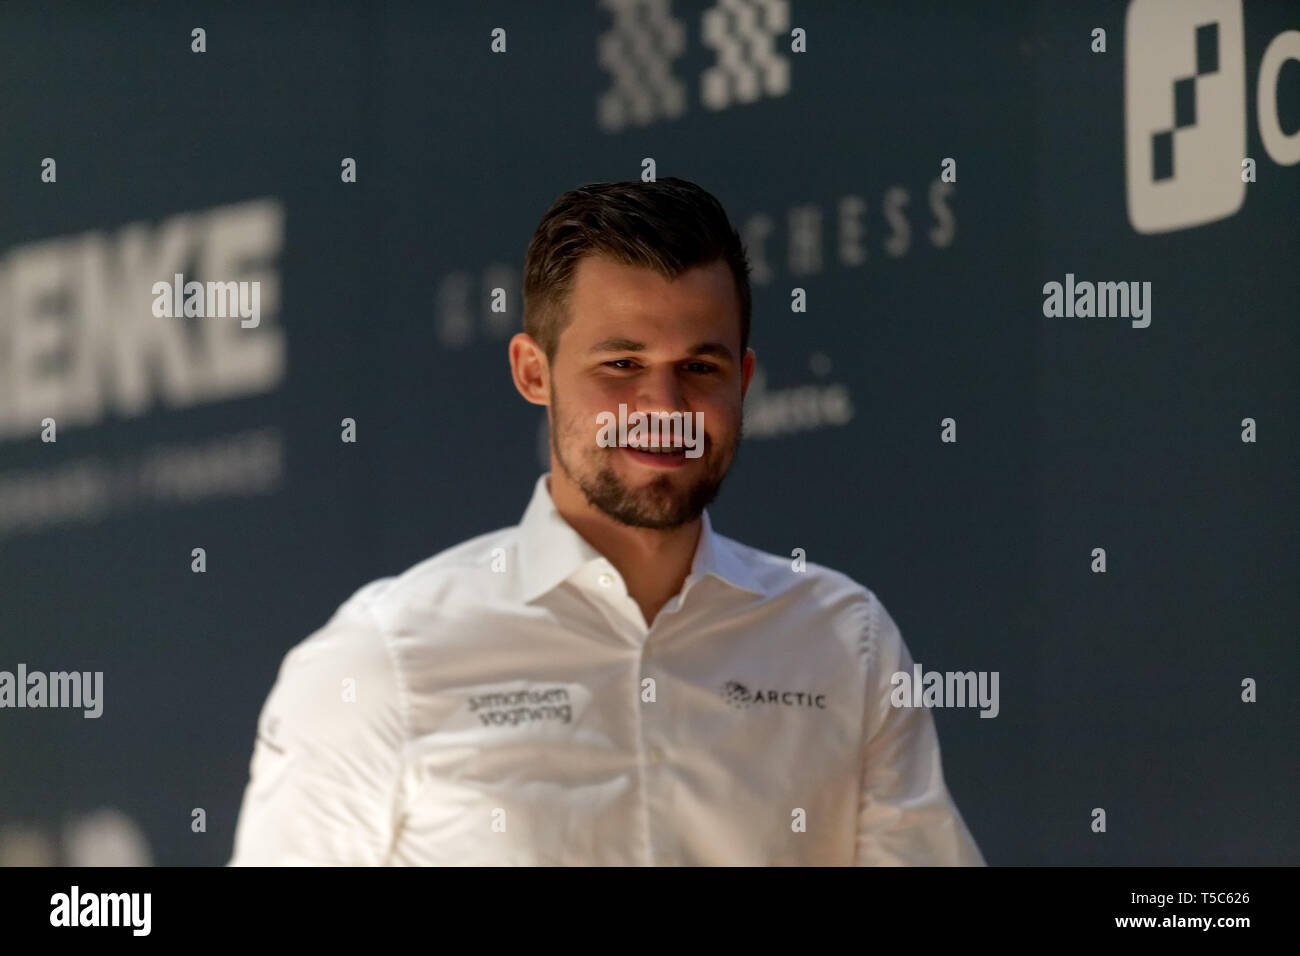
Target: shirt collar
{"points": [[551, 550]]}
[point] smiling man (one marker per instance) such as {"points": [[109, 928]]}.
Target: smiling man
{"points": [[609, 682]]}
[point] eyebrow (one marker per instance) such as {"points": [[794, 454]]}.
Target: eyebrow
{"points": [[629, 345]]}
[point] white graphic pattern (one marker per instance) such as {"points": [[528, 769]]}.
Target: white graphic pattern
{"points": [[638, 53], [743, 32]]}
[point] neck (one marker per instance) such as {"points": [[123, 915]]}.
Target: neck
{"points": [[653, 562]]}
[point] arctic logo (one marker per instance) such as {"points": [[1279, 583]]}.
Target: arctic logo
{"points": [[1185, 111], [741, 697]]}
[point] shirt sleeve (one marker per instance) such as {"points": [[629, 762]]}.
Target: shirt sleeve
{"points": [[906, 817], [324, 781]]}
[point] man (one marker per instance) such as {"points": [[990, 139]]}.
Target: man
{"points": [[610, 682]]}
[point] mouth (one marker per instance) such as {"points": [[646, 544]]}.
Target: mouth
{"points": [[667, 456]]}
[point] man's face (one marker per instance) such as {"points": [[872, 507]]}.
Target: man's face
{"points": [[636, 339]]}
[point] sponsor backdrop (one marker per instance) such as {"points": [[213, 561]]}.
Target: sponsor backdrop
{"points": [[1158, 689]]}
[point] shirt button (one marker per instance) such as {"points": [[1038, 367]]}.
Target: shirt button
{"points": [[656, 755], [606, 580]]}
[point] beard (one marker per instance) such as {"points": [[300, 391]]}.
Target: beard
{"points": [[663, 503]]}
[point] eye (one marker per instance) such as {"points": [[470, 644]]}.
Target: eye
{"points": [[704, 368], [618, 364]]}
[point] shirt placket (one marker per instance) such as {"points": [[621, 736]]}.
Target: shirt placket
{"points": [[662, 848], [654, 779]]}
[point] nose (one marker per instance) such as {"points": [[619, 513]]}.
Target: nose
{"points": [[660, 390]]}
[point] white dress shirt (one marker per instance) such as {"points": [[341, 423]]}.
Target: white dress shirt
{"points": [[505, 703]]}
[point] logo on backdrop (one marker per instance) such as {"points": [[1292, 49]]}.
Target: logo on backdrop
{"points": [[645, 38], [102, 326], [88, 340], [1185, 111]]}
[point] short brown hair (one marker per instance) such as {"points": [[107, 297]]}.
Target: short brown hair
{"points": [[669, 225]]}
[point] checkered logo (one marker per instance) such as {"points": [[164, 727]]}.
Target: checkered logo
{"points": [[1185, 112], [639, 52]]}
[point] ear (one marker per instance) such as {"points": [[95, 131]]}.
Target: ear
{"points": [[529, 368], [746, 371]]}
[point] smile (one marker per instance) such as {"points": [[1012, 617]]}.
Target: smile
{"points": [[658, 457], [652, 433]]}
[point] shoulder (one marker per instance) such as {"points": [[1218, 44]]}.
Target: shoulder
{"points": [[830, 595], [467, 572], [335, 679], [794, 576], [356, 640]]}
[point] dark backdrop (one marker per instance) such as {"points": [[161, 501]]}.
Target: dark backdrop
{"points": [[1119, 690]]}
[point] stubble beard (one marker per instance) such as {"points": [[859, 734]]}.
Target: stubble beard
{"points": [[659, 504]]}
